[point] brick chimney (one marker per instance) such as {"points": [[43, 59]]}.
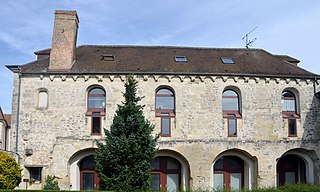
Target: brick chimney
{"points": [[64, 40]]}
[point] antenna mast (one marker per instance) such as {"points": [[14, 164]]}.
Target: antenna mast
{"points": [[249, 42]]}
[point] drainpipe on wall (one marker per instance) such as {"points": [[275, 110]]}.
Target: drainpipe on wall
{"points": [[18, 112], [317, 94]]}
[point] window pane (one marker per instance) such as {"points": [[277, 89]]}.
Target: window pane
{"points": [[172, 163], [219, 164], [287, 94], [96, 124], [35, 173], [87, 181], [96, 91], [235, 181], [218, 181], [155, 182], [43, 99], [165, 103], [292, 127], [172, 182], [290, 177], [235, 163], [232, 127], [165, 126], [230, 93], [230, 104], [96, 102], [165, 91], [155, 164], [87, 163], [288, 105]]}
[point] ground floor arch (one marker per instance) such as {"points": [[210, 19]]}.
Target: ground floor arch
{"points": [[170, 172], [233, 169], [295, 166], [81, 169]]}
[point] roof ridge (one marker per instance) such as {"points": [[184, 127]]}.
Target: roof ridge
{"points": [[168, 46]]}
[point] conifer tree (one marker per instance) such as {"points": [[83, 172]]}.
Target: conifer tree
{"points": [[10, 172], [123, 158]]}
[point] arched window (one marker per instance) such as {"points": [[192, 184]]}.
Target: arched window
{"points": [[230, 101], [96, 100], [165, 109], [165, 101], [165, 174], [96, 108], [89, 179], [43, 99], [229, 173], [231, 110], [288, 103], [291, 169], [289, 111]]}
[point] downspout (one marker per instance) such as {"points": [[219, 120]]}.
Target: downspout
{"points": [[18, 112], [315, 88]]}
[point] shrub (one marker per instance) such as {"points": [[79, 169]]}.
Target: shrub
{"points": [[10, 172], [51, 183]]}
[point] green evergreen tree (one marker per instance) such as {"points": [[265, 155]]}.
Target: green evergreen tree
{"points": [[10, 172], [123, 159]]}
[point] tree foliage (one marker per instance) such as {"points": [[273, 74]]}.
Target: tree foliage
{"points": [[51, 183], [10, 172], [123, 159]]}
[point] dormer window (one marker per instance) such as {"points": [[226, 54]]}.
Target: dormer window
{"points": [[227, 61], [108, 57], [180, 59]]}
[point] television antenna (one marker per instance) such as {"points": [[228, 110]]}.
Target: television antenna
{"points": [[246, 37]]}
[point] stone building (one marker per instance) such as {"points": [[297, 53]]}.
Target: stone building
{"points": [[233, 118]]}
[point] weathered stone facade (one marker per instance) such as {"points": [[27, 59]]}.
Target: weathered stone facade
{"points": [[58, 136], [198, 135]]}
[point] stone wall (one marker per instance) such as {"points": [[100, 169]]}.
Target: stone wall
{"points": [[198, 135]]}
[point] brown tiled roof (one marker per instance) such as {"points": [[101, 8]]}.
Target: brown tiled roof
{"points": [[7, 117], [161, 59]]}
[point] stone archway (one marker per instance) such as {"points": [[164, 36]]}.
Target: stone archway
{"points": [[234, 169], [295, 166], [170, 170], [74, 167]]}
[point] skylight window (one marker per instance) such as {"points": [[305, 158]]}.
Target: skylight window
{"points": [[180, 59], [108, 57], [227, 60]]}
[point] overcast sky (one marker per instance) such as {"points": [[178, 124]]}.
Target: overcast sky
{"points": [[287, 27]]}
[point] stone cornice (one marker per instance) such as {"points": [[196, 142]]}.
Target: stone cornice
{"points": [[181, 78]]}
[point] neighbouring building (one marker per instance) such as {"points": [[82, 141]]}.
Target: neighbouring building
{"points": [[232, 118], [5, 121]]}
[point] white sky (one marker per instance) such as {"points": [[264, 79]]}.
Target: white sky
{"points": [[287, 27]]}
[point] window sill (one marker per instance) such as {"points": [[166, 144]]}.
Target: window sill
{"points": [[165, 135], [89, 113]]}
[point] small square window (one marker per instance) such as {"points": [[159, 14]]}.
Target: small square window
{"points": [[181, 59], [165, 126], [227, 60], [35, 173], [96, 123]]}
